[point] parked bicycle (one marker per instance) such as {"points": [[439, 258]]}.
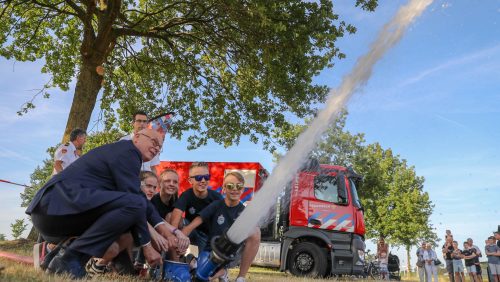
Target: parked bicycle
{"points": [[372, 267]]}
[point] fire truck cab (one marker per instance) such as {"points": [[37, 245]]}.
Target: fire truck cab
{"points": [[317, 228]]}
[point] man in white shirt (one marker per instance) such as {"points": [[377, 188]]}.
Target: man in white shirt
{"points": [[67, 153], [139, 122]]}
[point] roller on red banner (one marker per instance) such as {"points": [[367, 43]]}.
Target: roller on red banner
{"points": [[161, 123]]}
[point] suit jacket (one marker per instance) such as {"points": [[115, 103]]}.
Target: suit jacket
{"points": [[98, 177]]}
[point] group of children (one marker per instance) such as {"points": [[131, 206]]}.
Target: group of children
{"points": [[470, 254], [206, 213]]}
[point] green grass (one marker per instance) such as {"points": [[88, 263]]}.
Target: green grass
{"points": [[14, 271], [20, 247]]}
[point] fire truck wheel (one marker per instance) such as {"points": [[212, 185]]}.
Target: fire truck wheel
{"points": [[308, 259]]}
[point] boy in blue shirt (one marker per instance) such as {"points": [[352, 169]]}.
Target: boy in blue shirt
{"points": [[220, 215]]}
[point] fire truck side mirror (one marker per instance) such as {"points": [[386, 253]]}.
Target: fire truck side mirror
{"points": [[341, 189]]}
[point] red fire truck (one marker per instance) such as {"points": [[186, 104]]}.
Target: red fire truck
{"points": [[317, 228]]}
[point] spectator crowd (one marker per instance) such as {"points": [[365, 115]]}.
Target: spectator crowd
{"points": [[460, 259]]}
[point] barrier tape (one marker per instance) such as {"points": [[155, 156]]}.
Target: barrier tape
{"points": [[13, 183]]}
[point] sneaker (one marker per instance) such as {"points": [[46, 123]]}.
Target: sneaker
{"points": [[94, 269], [240, 279]]}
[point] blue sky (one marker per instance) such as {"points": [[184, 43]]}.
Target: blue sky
{"points": [[434, 99]]}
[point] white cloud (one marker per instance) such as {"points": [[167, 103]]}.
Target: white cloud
{"points": [[446, 5], [12, 155], [465, 59], [450, 121]]}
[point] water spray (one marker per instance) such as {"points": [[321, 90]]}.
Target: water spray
{"points": [[391, 33]]}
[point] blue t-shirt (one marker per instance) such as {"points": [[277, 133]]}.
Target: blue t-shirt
{"points": [[492, 249], [220, 217], [192, 205]]}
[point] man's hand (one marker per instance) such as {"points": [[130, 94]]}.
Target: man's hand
{"points": [[172, 240], [159, 243], [153, 258], [183, 242]]}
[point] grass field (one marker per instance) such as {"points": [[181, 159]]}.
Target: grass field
{"points": [[13, 271]]}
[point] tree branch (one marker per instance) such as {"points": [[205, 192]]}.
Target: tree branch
{"points": [[147, 15], [148, 34], [78, 9], [53, 7]]}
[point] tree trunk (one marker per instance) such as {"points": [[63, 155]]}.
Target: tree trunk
{"points": [[33, 235], [87, 87], [408, 258]]}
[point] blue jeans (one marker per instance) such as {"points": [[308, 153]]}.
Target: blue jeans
{"points": [[197, 238]]}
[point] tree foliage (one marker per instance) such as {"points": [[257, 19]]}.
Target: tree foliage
{"points": [[18, 227], [226, 68], [2, 237]]}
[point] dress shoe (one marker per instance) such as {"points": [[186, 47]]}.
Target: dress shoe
{"points": [[70, 262]]}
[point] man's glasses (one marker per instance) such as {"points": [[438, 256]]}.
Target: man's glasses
{"points": [[201, 177], [232, 186], [141, 120], [154, 141]]}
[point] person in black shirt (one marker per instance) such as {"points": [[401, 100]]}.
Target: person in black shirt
{"points": [[478, 254], [169, 187], [470, 257], [220, 215], [447, 251], [164, 202], [193, 201]]}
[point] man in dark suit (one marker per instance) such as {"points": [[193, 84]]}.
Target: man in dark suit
{"points": [[98, 198]]}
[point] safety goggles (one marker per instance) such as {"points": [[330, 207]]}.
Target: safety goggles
{"points": [[232, 186], [199, 178]]}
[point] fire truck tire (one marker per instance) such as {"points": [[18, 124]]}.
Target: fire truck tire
{"points": [[308, 259]]}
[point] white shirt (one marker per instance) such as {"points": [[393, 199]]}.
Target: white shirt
{"points": [[146, 166], [429, 255], [65, 153]]}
